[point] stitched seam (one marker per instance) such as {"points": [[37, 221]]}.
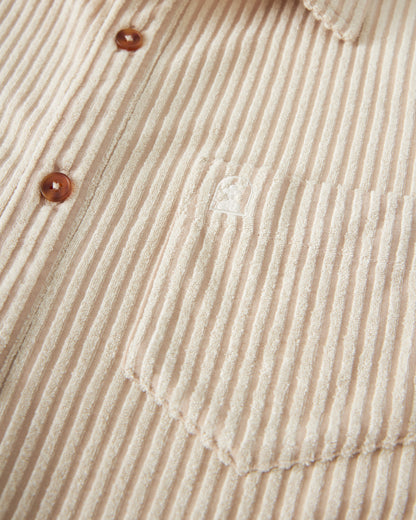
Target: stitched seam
{"points": [[326, 16], [226, 457], [408, 440], [321, 11]]}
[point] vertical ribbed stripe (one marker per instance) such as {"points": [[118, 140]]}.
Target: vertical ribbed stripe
{"points": [[285, 336], [253, 396]]}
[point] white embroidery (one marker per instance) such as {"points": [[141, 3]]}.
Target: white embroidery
{"points": [[231, 196]]}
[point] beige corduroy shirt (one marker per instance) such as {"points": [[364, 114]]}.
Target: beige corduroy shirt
{"points": [[219, 321]]}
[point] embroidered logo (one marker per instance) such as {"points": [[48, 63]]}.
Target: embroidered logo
{"points": [[231, 196]]}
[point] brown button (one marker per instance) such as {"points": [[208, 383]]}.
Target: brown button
{"points": [[129, 39], [56, 187]]}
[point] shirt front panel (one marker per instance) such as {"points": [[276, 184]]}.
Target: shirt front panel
{"points": [[260, 87]]}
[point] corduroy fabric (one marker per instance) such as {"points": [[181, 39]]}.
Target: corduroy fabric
{"points": [[250, 331], [344, 17], [255, 88]]}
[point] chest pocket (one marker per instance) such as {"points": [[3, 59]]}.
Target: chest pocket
{"points": [[279, 326]]}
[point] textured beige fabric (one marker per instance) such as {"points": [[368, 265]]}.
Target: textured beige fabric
{"points": [[219, 322], [241, 333], [343, 17]]}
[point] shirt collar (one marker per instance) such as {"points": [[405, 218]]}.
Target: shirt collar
{"points": [[343, 17]]}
